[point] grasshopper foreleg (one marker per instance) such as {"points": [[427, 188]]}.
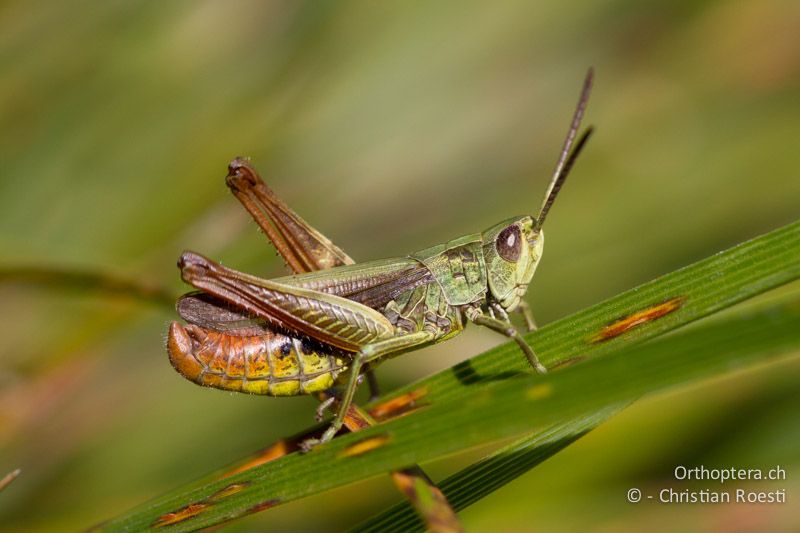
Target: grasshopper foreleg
{"points": [[367, 354], [506, 328]]}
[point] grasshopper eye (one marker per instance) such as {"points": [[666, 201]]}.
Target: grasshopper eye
{"points": [[509, 244]]}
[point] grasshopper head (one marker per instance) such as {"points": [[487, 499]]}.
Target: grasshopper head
{"points": [[512, 250]]}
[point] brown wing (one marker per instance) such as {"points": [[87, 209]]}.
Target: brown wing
{"points": [[373, 289], [362, 285], [325, 317], [382, 290], [206, 311], [373, 283]]}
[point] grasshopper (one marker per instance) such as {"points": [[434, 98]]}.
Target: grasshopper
{"points": [[334, 319]]}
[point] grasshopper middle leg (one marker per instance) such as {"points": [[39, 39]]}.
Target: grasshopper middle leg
{"points": [[527, 315]]}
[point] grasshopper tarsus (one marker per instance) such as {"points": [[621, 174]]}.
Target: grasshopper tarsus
{"points": [[309, 444]]}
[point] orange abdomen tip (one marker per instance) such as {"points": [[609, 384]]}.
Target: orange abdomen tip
{"points": [[181, 352]]}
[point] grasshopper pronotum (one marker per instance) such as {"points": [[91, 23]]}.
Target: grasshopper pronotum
{"points": [[333, 319]]}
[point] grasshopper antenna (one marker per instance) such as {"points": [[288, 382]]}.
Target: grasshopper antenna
{"points": [[568, 154]]}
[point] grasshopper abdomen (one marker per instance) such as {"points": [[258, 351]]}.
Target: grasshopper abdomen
{"points": [[270, 363]]}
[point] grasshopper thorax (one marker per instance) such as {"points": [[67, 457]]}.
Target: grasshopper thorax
{"points": [[512, 250]]}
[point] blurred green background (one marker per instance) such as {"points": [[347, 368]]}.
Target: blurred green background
{"points": [[390, 126]]}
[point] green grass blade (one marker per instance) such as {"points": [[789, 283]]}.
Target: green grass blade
{"points": [[498, 410], [488, 474], [87, 281], [703, 288], [480, 479]]}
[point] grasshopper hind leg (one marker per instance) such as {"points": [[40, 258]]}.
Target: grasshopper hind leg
{"points": [[367, 354], [334, 394]]}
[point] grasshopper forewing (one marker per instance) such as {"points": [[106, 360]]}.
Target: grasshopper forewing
{"points": [[363, 313]]}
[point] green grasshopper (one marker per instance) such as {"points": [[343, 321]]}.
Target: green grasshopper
{"points": [[334, 319]]}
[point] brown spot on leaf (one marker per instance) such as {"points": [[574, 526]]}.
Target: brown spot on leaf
{"points": [[625, 324], [398, 406], [263, 506], [279, 449], [230, 490], [184, 513], [567, 362], [355, 419], [365, 445], [194, 509]]}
